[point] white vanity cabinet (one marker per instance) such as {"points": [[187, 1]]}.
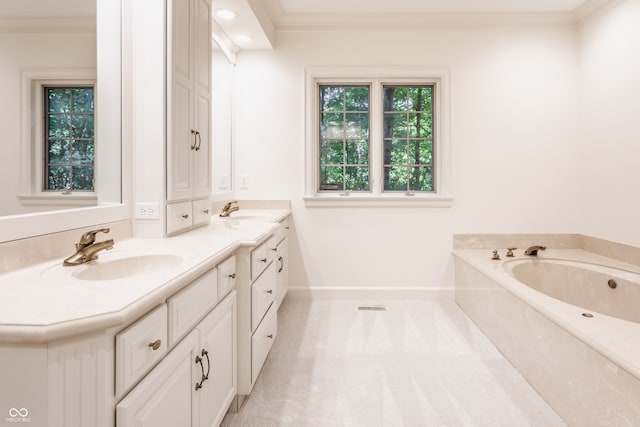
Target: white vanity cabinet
{"points": [[195, 383], [257, 317], [188, 114]]}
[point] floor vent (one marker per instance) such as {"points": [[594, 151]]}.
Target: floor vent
{"points": [[372, 308]]}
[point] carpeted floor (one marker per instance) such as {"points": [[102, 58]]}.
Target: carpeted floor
{"points": [[415, 364]]}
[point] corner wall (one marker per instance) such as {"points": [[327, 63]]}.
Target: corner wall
{"points": [[610, 123]]}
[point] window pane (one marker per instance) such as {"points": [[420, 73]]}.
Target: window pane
{"points": [[358, 152], [59, 151], [82, 126], [395, 178], [408, 138], [331, 98], [357, 178], [59, 125], [420, 152], [395, 152], [357, 125], [82, 152], [82, 178], [332, 126], [344, 138], [59, 177], [395, 125], [395, 98], [331, 152], [357, 99], [70, 155], [420, 179], [82, 100], [59, 99], [331, 178]]}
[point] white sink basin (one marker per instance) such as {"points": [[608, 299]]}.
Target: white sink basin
{"points": [[123, 268]]}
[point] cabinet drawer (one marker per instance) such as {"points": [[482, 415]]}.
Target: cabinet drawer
{"points": [[283, 230], [260, 258], [135, 350], [190, 305], [179, 217], [261, 342], [226, 276], [201, 211], [263, 293]]}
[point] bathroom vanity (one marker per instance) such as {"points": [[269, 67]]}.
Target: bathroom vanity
{"points": [[161, 332]]}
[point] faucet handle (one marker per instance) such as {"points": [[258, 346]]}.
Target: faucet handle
{"points": [[510, 252], [89, 237]]}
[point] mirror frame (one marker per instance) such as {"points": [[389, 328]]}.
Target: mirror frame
{"points": [[22, 226]]}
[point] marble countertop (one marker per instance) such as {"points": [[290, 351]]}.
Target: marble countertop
{"points": [[47, 301]]}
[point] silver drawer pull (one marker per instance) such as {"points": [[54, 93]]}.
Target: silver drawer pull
{"points": [[155, 345], [232, 275]]}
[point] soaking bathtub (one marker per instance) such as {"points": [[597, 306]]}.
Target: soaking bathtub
{"points": [[568, 320]]}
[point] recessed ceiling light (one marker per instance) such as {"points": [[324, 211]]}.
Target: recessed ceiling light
{"points": [[243, 38], [225, 14]]}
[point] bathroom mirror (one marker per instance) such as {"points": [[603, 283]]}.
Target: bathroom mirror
{"points": [[46, 39], [221, 124]]}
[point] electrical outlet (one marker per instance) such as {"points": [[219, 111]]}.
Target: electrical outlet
{"points": [[147, 211], [244, 181]]}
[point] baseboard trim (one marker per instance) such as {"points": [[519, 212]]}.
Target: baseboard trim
{"points": [[371, 293]]}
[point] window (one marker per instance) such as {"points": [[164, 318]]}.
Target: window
{"points": [[57, 153], [377, 138], [68, 138]]}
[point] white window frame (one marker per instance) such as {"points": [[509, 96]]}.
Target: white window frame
{"points": [[32, 138], [377, 77]]}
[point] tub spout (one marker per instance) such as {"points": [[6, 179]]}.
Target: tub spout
{"points": [[533, 250]]}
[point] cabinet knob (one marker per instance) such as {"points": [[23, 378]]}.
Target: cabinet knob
{"points": [[185, 216], [155, 345], [270, 336], [263, 260], [270, 291], [274, 249], [206, 211], [232, 275]]}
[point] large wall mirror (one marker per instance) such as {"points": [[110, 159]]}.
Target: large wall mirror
{"points": [[222, 69], [50, 43]]}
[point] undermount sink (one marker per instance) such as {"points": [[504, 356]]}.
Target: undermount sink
{"points": [[127, 267]]}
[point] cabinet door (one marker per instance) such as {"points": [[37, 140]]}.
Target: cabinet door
{"points": [[164, 397], [180, 128], [218, 339], [282, 265], [202, 102]]}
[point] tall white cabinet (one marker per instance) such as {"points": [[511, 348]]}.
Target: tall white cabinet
{"points": [[188, 113]]}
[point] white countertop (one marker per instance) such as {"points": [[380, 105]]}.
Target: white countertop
{"points": [[46, 301]]}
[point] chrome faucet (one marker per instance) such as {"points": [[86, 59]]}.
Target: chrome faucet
{"points": [[87, 249], [533, 250], [228, 208]]}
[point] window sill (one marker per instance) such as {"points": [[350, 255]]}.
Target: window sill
{"points": [[70, 200], [383, 201]]}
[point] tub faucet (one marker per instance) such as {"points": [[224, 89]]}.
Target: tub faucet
{"points": [[87, 249], [533, 250], [228, 208]]}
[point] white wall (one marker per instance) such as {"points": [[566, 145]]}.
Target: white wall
{"points": [[24, 51], [610, 125], [514, 120]]}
